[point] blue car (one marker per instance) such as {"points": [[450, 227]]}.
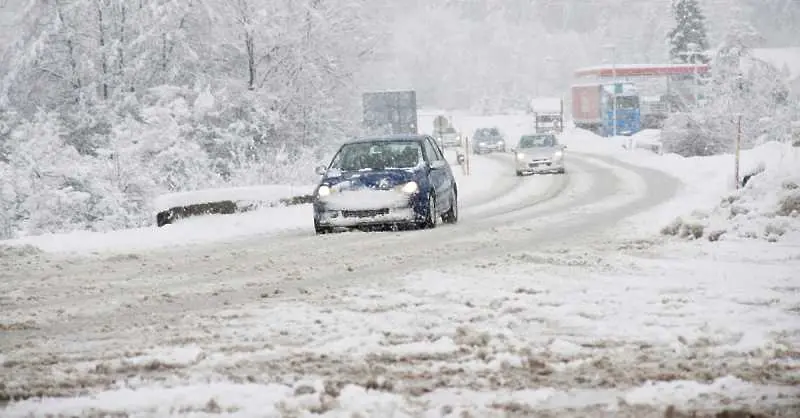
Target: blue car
{"points": [[395, 181]]}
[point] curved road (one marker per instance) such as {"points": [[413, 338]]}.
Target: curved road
{"points": [[82, 308]]}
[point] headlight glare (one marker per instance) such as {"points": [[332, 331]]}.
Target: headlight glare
{"points": [[410, 187], [323, 191], [557, 155], [520, 156]]}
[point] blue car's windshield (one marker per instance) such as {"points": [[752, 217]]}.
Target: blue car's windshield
{"points": [[533, 141], [378, 155]]}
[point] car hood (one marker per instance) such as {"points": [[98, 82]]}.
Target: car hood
{"points": [[539, 151], [372, 179]]}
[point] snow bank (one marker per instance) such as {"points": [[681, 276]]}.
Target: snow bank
{"points": [[195, 230], [583, 140], [768, 207], [265, 193]]}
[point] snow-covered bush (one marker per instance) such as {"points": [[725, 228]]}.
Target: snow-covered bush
{"points": [[102, 169], [696, 134], [113, 104], [768, 208]]}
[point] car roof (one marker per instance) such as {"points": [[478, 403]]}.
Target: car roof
{"points": [[388, 138]]}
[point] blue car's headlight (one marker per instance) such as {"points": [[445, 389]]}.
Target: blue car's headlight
{"points": [[323, 191], [410, 187]]}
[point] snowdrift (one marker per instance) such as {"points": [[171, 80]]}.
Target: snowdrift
{"points": [[646, 139], [767, 207]]}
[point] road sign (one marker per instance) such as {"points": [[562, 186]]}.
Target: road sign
{"points": [[440, 123]]}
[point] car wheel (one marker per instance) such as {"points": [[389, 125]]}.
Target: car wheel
{"points": [[320, 230], [451, 216], [431, 218], [562, 170], [519, 173]]}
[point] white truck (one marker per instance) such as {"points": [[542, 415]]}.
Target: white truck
{"points": [[548, 114]]}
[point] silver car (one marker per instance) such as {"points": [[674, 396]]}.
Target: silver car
{"points": [[539, 153], [450, 139]]}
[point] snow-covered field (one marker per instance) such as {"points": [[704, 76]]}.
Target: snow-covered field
{"points": [[555, 296]]}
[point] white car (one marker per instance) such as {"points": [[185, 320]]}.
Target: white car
{"points": [[539, 153], [450, 139]]}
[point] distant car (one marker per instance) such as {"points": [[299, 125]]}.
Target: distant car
{"points": [[450, 138], [398, 180], [539, 153], [487, 140]]}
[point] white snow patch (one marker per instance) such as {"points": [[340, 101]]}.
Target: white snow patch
{"points": [[189, 231], [264, 194]]}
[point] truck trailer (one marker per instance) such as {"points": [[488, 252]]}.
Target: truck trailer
{"points": [[593, 108]]}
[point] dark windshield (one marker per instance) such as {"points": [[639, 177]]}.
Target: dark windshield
{"points": [[378, 155], [627, 102], [531, 141], [487, 132], [547, 118]]}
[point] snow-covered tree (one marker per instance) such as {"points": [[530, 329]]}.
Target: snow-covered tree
{"points": [[740, 85], [688, 39]]}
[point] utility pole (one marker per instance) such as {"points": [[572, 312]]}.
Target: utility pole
{"points": [[467, 151], [738, 150], [614, 94], [694, 52], [614, 76]]}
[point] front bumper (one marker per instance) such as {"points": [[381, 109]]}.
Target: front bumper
{"points": [[540, 165], [490, 147], [366, 217], [400, 212]]}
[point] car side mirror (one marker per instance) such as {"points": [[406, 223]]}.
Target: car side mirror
{"points": [[437, 164], [320, 170]]}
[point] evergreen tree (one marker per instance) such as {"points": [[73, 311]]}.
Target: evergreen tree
{"points": [[688, 40]]}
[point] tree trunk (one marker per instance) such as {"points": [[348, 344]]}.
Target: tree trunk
{"points": [[75, 79], [164, 54], [103, 55], [120, 48], [251, 60]]}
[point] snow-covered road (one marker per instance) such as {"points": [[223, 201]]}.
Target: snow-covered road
{"points": [[527, 304]]}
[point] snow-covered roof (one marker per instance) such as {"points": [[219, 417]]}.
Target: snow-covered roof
{"points": [[781, 58], [545, 103]]}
